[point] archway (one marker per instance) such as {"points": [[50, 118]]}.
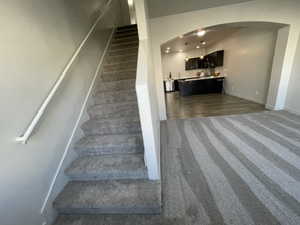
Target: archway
{"points": [[285, 50], [251, 67]]}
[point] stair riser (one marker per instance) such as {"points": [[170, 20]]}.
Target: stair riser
{"points": [[130, 128], [139, 210], [114, 86], [125, 40], [102, 99], [113, 113], [123, 52], [121, 59], [126, 35], [109, 150], [131, 26], [110, 176], [119, 76], [124, 46], [126, 30], [131, 65]]}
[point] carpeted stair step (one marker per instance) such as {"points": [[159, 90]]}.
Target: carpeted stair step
{"points": [[125, 40], [121, 58], [124, 46], [110, 197], [108, 167], [127, 65], [114, 76], [110, 144], [118, 85], [123, 52], [115, 110], [116, 220], [111, 97], [132, 33], [127, 125], [126, 29]]}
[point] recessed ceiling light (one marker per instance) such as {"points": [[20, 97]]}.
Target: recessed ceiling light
{"points": [[202, 57], [186, 59], [168, 48], [167, 51], [181, 36], [201, 33], [130, 2], [203, 42], [197, 46]]}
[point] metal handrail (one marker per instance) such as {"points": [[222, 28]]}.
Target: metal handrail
{"points": [[24, 138]]}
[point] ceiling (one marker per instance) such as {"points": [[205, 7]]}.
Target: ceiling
{"points": [[158, 8], [190, 41]]}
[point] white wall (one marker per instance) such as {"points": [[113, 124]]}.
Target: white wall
{"points": [[247, 62], [175, 63], [146, 94], [277, 11], [160, 8], [293, 102], [37, 40]]}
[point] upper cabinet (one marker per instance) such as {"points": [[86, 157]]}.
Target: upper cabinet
{"points": [[192, 64], [211, 60], [216, 59]]}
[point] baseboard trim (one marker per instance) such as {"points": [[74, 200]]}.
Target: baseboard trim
{"points": [[270, 107], [246, 98], [292, 111], [70, 141]]}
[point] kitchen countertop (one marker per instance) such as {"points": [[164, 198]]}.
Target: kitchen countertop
{"points": [[202, 78]]}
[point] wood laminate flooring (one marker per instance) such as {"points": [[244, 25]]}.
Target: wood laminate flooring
{"points": [[179, 107]]}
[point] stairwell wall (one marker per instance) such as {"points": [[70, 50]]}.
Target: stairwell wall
{"points": [[37, 40]]}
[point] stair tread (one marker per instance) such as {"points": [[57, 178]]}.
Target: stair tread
{"points": [[134, 62], [117, 166], [133, 71], [109, 97], [110, 144], [110, 197], [114, 220], [132, 33], [114, 106], [125, 39], [117, 120], [116, 85], [113, 110], [122, 125], [115, 93], [127, 27], [124, 43], [116, 47]]}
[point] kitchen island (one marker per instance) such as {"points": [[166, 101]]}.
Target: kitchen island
{"points": [[201, 85]]}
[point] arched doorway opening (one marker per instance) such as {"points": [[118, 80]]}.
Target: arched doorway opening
{"points": [[245, 58]]}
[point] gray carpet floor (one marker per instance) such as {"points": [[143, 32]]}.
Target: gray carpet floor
{"points": [[234, 170]]}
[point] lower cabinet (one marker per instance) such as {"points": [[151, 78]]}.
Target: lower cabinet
{"points": [[201, 86]]}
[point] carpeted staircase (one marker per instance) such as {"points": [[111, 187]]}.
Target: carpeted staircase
{"points": [[109, 176]]}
